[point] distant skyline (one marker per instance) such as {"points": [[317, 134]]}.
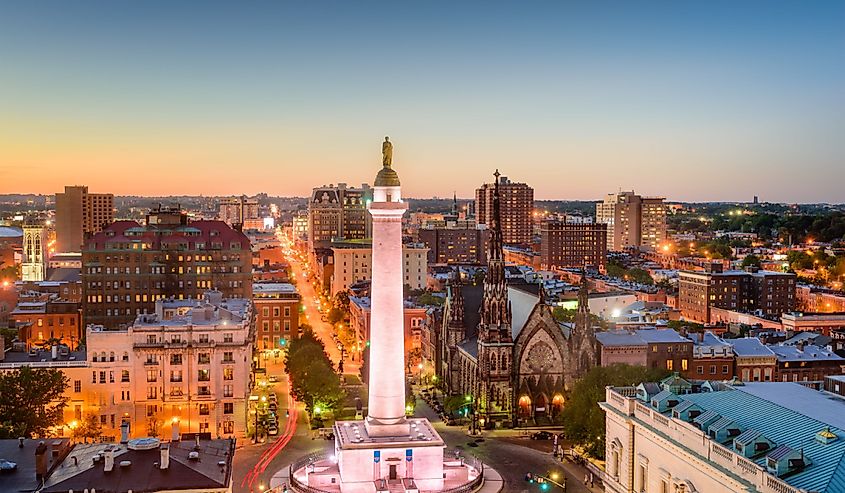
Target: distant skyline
{"points": [[707, 101]]}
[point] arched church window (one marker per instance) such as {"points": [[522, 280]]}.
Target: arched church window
{"points": [[493, 359]]}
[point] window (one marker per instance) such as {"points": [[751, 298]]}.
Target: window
{"points": [[228, 373], [203, 338], [124, 375], [151, 339], [102, 377], [699, 370], [287, 311], [276, 311], [204, 358], [725, 369], [684, 364], [203, 375], [670, 364], [152, 410], [203, 409], [203, 390], [152, 375], [228, 357], [228, 408], [77, 386], [265, 311], [175, 359], [227, 337], [228, 427], [176, 376], [227, 391]]}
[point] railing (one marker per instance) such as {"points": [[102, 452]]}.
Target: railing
{"points": [[779, 486], [306, 461], [44, 364], [475, 483], [295, 484]]}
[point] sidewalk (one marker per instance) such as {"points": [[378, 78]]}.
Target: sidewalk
{"points": [[493, 482]]}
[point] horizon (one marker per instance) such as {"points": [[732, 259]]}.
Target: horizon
{"points": [[692, 102]]}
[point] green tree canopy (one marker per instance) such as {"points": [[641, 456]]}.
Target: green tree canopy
{"points": [[312, 375], [32, 401], [751, 260], [583, 419]]}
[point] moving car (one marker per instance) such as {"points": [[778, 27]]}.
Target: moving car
{"points": [[8, 466], [542, 435]]}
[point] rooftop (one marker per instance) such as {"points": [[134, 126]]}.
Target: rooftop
{"points": [[210, 470], [750, 346], [639, 337], [809, 353]]}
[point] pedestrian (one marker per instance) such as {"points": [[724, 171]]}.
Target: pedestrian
{"points": [[591, 480], [586, 479]]}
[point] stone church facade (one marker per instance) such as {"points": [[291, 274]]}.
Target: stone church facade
{"points": [[511, 376]]}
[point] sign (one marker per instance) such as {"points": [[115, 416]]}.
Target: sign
{"points": [[376, 456], [409, 455]]}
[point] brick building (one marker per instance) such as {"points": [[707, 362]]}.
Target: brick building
{"points": [[39, 321], [652, 348], [754, 361], [806, 363], [455, 245], [127, 266], [564, 245], [516, 206], [277, 307], [712, 357], [772, 293]]}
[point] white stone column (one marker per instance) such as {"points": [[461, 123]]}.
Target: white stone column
{"points": [[386, 410]]}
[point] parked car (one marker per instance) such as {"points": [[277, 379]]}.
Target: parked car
{"points": [[273, 379], [273, 406], [542, 435], [8, 466], [273, 430], [272, 396]]}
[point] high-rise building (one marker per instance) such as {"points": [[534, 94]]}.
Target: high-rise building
{"points": [[564, 245], [240, 210], [632, 220], [34, 264], [516, 209], [78, 214], [127, 267], [770, 293], [455, 245], [338, 213]]}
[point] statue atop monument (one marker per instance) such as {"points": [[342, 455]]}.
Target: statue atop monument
{"points": [[387, 152]]}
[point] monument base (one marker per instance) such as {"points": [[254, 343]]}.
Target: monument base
{"points": [[364, 463], [392, 428]]}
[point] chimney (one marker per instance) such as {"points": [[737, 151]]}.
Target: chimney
{"points": [[109, 460], [41, 461], [164, 450], [124, 431], [174, 429]]}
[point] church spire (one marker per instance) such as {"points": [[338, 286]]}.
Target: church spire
{"points": [[456, 316], [495, 309], [582, 316]]}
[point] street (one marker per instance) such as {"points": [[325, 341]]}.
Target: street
{"points": [[512, 456]]}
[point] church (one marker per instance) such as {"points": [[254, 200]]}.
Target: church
{"points": [[515, 373]]}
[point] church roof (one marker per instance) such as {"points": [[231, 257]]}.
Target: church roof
{"points": [[470, 346]]}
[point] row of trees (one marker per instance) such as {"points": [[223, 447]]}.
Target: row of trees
{"points": [[313, 378], [615, 269]]}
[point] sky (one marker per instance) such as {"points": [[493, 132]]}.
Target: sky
{"points": [[694, 101]]}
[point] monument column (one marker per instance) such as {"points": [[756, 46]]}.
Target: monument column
{"points": [[386, 405]]}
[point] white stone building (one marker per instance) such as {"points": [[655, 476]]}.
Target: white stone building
{"points": [[764, 437]]}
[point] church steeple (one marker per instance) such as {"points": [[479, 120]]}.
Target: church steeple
{"points": [[582, 316], [456, 315], [495, 310]]}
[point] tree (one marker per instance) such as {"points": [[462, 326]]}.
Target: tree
{"points": [[562, 314], [31, 401], [428, 299], [341, 301], [751, 261], [336, 315], [312, 376], [89, 427], [583, 420]]}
